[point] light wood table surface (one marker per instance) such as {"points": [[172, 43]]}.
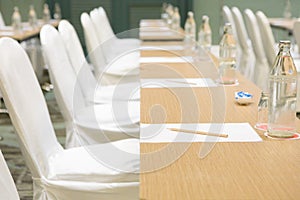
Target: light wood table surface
{"points": [[158, 30], [254, 170], [282, 23], [27, 33]]}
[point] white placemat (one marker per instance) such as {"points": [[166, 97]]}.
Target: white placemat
{"points": [[183, 59], [159, 33], [163, 47], [160, 133], [177, 82]]}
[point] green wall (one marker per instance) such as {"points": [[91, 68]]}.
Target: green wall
{"points": [[212, 8], [6, 8]]}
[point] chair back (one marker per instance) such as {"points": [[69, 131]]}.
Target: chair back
{"points": [[2, 23], [267, 37], [296, 33], [76, 56], [242, 34], [227, 16], [66, 85], [99, 24], [261, 65], [95, 52], [8, 189], [254, 34], [109, 33], [27, 107]]}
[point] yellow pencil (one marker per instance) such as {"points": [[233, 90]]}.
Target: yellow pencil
{"points": [[199, 132]]}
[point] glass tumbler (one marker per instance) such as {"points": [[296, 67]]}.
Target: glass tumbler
{"points": [[262, 114]]}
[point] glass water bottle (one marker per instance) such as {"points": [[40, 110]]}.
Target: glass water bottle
{"points": [[16, 21], [283, 91], [190, 31], [164, 14], [46, 14], [227, 57], [204, 35], [32, 17], [57, 11], [176, 19], [170, 12]]}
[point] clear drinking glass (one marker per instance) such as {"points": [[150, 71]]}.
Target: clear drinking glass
{"points": [[262, 112]]}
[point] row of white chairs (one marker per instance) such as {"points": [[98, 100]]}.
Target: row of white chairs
{"points": [[254, 35], [102, 171], [102, 159], [115, 117]]}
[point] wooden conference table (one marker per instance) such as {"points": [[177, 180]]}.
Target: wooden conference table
{"points": [[282, 23], [27, 32], [231, 170], [154, 30]]}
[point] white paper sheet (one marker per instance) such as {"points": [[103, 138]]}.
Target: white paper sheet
{"points": [[163, 47], [183, 59], [8, 33], [159, 133], [150, 33], [177, 82]]}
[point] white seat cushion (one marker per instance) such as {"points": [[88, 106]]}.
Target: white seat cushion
{"points": [[110, 162]]}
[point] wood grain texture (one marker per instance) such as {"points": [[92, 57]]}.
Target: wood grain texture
{"points": [[27, 34], [265, 170]]}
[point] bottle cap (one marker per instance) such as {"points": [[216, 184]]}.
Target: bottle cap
{"points": [[284, 43], [205, 18], [190, 14], [227, 27]]}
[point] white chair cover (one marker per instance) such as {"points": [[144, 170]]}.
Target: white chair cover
{"points": [[296, 33], [261, 65], [85, 125], [92, 43], [106, 73], [247, 57], [267, 37], [125, 56], [109, 33], [105, 171], [2, 23], [92, 92], [8, 190]]}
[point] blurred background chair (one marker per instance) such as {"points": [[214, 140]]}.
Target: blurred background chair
{"points": [[261, 65], [296, 33], [246, 60], [93, 92], [267, 37], [127, 55], [2, 23], [106, 73], [130, 43], [77, 173]]}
